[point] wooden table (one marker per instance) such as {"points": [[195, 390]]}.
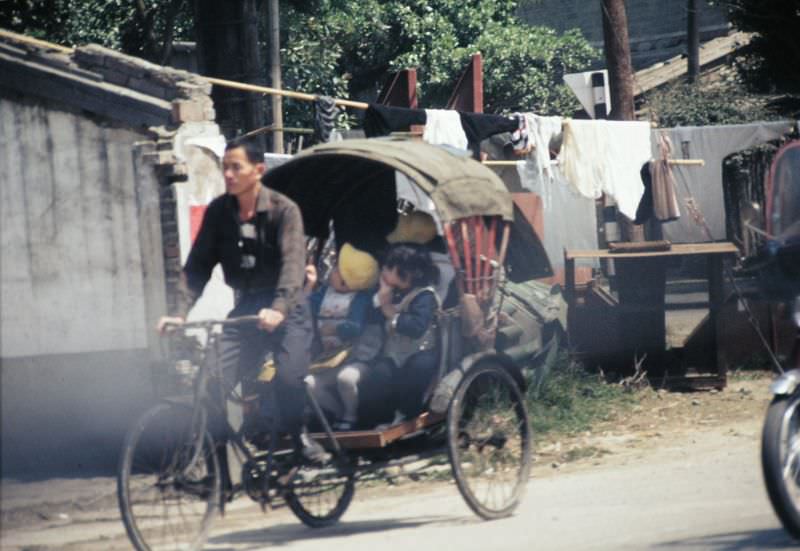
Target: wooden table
{"points": [[641, 288]]}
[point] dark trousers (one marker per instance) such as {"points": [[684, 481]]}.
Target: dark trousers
{"points": [[243, 350], [388, 387]]}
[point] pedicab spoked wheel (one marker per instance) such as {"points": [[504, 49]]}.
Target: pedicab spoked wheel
{"points": [[488, 440], [320, 495], [780, 459], [168, 490]]}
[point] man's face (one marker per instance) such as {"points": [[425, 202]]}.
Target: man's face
{"points": [[241, 175]]}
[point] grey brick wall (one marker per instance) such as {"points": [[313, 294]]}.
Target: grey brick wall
{"points": [[657, 28]]}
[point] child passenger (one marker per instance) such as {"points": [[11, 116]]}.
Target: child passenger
{"points": [[341, 310], [408, 302], [340, 307]]}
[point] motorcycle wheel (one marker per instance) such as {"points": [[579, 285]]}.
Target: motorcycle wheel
{"points": [[780, 459]]}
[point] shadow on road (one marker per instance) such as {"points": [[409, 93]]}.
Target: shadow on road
{"points": [[281, 534], [739, 541]]}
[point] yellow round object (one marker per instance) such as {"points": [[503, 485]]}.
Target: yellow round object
{"points": [[415, 227], [359, 269]]}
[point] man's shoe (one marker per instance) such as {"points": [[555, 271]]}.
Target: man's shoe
{"points": [[399, 417], [312, 451], [343, 426]]}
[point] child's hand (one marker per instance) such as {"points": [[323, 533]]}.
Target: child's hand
{"points": [[384, 292], [311, 278]]}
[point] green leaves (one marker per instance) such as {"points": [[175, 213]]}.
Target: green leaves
{"points": [[345, 48], [523, 65], [775, 51], [726, 102]]}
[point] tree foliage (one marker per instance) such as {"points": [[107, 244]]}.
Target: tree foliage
{"points": [[352, 44], [774, 58], [694, 104], [144, 28], [344, 48]]}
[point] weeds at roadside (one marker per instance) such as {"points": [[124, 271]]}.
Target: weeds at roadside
{"points": [[571, 400]]}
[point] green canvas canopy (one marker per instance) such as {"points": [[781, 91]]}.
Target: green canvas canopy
{"points": [[458, 185], [342, 182]]}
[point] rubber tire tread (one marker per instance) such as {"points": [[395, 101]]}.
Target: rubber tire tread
{"points": [[123, 476], [772, 465], [313, 521], [452, 440]]}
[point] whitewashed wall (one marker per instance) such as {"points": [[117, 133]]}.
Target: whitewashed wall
{"points": [[71, 261]]}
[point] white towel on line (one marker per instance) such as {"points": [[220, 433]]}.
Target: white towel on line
{"points": [[443, 127], [605, 157]]}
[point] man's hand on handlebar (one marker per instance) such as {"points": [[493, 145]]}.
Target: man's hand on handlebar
{"points": [[269, 319], [167, 323]]}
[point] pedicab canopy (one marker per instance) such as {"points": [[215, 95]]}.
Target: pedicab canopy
{"points": [[355, 185]]}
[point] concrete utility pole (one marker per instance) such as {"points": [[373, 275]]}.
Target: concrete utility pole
{"points": [[227, 39], [273, 17], [620, 77], [618, 59], [692, 40]]}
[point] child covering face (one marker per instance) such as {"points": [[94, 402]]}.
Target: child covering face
{"points": [[408, 302]]}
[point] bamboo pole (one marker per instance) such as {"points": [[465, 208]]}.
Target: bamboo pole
{"points": [[284, 93], [687, 162], [35, 42]]}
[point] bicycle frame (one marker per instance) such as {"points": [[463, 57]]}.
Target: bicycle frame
{"points": [[203, 402]]}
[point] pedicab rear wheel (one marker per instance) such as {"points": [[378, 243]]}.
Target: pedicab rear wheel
{"points": [[489, 440], [168, 490]]}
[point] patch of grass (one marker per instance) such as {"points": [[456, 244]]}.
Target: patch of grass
{"points": [[582, 453], [571, 400]]}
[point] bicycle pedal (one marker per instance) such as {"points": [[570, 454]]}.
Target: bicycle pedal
{"points": [[285, 479]]}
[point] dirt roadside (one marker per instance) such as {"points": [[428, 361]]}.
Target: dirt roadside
{"points": [[659, 419]]}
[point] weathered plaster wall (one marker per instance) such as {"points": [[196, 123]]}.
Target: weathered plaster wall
{"points": [[71, 258]]}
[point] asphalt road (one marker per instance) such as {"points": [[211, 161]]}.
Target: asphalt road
{"points": [[703, 492]]}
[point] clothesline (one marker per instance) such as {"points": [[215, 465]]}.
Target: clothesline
{"points": [[686, 162], [280, 92]]}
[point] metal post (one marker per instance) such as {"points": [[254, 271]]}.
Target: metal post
{"points": [[273, 14], [692, 40]]}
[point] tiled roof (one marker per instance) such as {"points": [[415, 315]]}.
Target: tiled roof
{"points": [[712, 53]]}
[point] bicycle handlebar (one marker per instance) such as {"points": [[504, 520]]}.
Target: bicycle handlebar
{"points": [[208, 324]]}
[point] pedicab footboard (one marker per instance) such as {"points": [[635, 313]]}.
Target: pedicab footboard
{"points": [[361, 439]]}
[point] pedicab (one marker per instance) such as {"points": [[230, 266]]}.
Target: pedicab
{"points": [[170, 478]]}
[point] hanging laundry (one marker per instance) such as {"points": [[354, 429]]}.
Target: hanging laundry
{"points": [[702, 185], [381, 120], [582, 157], [665, 199], [478, 127], [443, 127], [660, 199], [520, 140], [540, 133], [325, 113], [605, 157]]}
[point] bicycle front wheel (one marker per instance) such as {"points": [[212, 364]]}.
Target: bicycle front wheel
{"points": [[168, 490]]}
